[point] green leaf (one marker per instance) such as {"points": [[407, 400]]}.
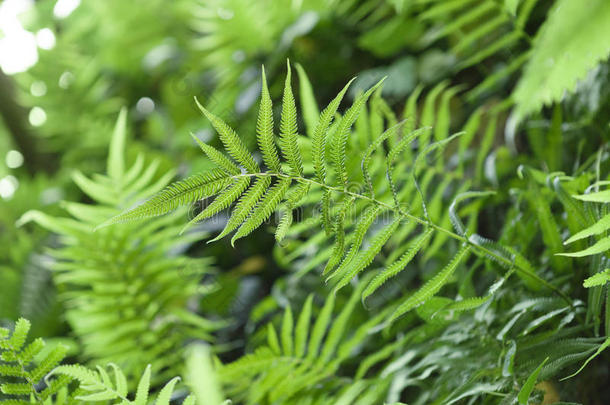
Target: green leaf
{"points": [[264, 129], [396, 267], [600, 226], [143, 387], [217, 157], [598, 279], [528, 386], [338, 148], [245, 205], [366, 257], [288, 129], [201, 377], [116, 160], [177, 194], [599, 247], [309, 106], [302, 328], [233, 144], [221, 202], [166, 392], [263, 210], [321, 132], [573, 40], [431, 287], [599, 196], [287, 326]]}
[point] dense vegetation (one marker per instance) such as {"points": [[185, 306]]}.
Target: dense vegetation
{"points": [[308, 202]]}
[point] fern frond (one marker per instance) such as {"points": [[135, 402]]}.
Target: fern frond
{"points": [[288, 128], [21, 375], [338, 149], [246, 204], [97, 385], [231, 141], [264, 129], [178, 194], [302, 328], [320, 135], [264, 209], [431, 287], [309, 106], [600, 349], [597, 279], [396, 267], [365, 221], [600, 246], [217, 157], [572, 51], [293, 198], [366, 159], [339, 231], [365, 257], [221, 202], [599, 227]]}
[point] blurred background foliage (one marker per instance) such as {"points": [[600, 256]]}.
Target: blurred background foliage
{"points": [[461, 58]]}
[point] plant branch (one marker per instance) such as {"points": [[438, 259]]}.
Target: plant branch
{"points": [[419, 220]]}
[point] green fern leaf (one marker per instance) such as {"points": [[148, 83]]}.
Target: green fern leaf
{"points": [[365, 257], [302, 328], [319, 328], [599, 227], [528, 386], [600, 349], [599, 247], [245, 205], [397, 266], [272, 340], [310, 109], [264, 209], [231, 141], [338, 327], [321, 132], [143, 387], [287, 326], [339, 231], [366, 158], [570, 43], [598, 196], [264, 129], [338, 149], [597, 279], [116, 160], [364, 223], [217, 157], [177, 194], [293, 198], [431, 287], [288, 129], [166, 392], [221, 202]]}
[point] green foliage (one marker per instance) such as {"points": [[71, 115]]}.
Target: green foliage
{"points": [[331, 180], [304, 360], [135, 270], [23, 366], [424, 233], [571, 42], [31, 374]]}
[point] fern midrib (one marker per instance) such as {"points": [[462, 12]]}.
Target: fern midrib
{"points": [[414, 218]]}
